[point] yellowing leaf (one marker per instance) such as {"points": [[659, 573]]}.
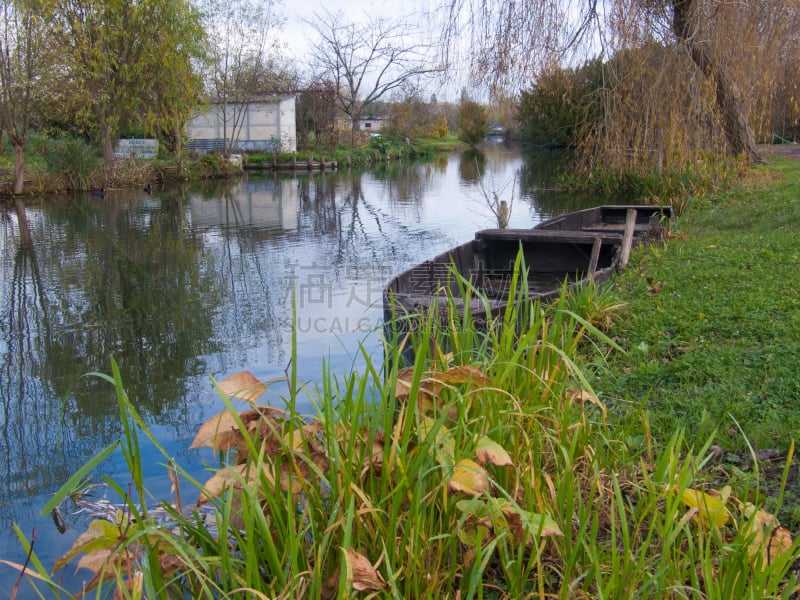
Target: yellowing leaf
{"points": [[361, 572], [100, 534], [710, 509], [243, 385], [489, 451], [469, 478]]}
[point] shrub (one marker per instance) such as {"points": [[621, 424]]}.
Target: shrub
{"points": [[472, 122], [73, 159]]}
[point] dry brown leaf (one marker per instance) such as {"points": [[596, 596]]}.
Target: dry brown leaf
{"points": [[403, 385], [103, 560], [220, 432], [584, 396], [364, 575], [463, 374], [469, 478], [243, 385], [169, 563], [231, 477], [489, 451]]}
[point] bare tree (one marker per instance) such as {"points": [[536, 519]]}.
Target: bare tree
{"points": [[369, 59], [243, 59]]}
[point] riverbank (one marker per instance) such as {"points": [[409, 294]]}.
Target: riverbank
{"points": [[710, 326], [77, 168]]}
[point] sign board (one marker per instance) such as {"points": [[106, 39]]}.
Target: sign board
{"points": [[139, 148]]}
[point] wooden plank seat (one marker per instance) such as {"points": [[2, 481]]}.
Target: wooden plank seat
{"points": [[549, 235]]}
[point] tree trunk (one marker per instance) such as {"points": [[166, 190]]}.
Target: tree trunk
{"points": [[107, 144], [19, 168], [738, 132]]}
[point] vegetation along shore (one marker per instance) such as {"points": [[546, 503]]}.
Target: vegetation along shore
{"points": [[635, 440]]}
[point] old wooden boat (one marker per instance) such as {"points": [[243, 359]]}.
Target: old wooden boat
{"points": [[567, 250], [648, 221]]}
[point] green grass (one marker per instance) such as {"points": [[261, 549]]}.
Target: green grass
{"points": [[711, 319]]}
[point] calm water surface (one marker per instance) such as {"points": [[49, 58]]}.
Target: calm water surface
{"points": [[191, 283]]}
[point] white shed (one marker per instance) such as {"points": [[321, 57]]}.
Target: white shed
{"points": [[267, 125]]}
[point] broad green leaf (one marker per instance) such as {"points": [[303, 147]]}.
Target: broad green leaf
{"points": [[526, 526], [444, 444], [710, 509]]}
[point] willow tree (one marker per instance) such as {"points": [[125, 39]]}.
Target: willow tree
{"points": [[118, 53], [512, 42]]}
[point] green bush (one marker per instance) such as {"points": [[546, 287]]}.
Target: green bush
{"points": [[73, 159]]}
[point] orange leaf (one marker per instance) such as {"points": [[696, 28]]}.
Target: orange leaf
{"points": [[771, 539], [243, 385]]}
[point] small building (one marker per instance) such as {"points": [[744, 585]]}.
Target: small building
{"points": [[262, 126], [372, 123], [369, 123]]}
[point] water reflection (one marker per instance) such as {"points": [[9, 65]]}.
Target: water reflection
{"points": [[195, 281]]}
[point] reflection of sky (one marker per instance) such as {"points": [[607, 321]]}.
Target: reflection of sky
{"points": [[335, 239]]}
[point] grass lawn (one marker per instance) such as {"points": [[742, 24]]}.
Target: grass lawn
{"points": [[711, 322]]}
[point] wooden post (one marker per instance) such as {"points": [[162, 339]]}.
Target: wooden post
{"points": [[310, 161], [598, 242], [294, 161], [627, 237]]}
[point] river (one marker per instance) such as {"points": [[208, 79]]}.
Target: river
{"points": [[193, 282]]}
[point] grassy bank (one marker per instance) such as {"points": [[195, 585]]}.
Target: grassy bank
{"points": [[711, 320], [488, 469], [711, 325]]}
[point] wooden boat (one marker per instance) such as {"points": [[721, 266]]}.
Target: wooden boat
{"points": [[610, 218], [567, 250]]}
